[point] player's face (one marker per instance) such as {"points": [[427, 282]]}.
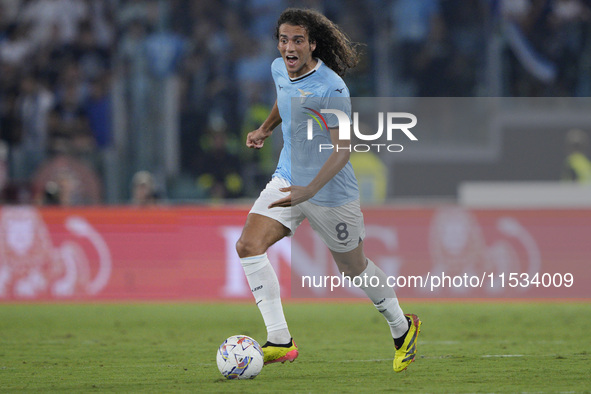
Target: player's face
{"points": [[296, 50]]}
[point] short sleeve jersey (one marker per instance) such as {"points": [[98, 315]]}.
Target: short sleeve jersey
{"points": [[300, 102]]}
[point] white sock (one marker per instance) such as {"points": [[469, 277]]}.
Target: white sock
{"points": [[384, 299], [264, 285]]}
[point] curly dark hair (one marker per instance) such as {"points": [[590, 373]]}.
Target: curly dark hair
{"points": [[333, 46]]}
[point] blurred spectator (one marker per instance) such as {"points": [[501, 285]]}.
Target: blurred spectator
{"points": [[61, 191], [91, 59], [45, 15], [9, 10], [98, 110], [433, 63], [16, 47], [263, 16], [219, 169], [69, 127], [464, 20], [66, 181], [101, 16], [33, 107], [257, 165], [567, 19], [143, 191], [143, 11], [545, 38], [50, 60], [10, 125], [577, 166], [71, 83], [17, 192], [164, 52], [252, 73], [418, 30], [131, 47]]}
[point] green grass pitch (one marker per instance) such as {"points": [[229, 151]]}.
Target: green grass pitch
{"points": [[344, 347]]}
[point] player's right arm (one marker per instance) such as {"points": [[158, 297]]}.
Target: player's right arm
{"points": [[256, 139]]}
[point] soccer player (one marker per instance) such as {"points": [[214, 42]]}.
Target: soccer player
{"points": [[315, 53]]}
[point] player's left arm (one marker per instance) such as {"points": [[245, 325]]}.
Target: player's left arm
{"points": [[335, 163]]}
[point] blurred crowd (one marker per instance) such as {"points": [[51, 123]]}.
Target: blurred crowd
{"points": [[68, 66], [56, 63]]}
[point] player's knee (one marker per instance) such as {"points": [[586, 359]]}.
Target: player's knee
{"points": [[349, 272], [248, 248], [350, 269]]}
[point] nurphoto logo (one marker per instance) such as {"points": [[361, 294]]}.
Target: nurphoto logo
{"points": [[392, 120]]}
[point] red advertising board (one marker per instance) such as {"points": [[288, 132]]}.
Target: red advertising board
{"points": [[187, 253]]}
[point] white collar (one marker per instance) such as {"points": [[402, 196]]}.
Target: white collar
{"points": [[318, 64]]}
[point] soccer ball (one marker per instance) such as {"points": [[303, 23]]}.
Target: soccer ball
{"points": [[240, 357]]}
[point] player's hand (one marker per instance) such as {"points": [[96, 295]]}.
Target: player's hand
{"points": [[256, 139], [297, 195]]}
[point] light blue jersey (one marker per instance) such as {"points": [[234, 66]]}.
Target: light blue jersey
{"points": [[298, 101]]}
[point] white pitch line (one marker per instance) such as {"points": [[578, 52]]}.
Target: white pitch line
{"points": [[366, 361], [539, 342], [376, 360], [441, 342]]}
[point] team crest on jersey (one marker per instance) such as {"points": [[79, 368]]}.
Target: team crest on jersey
{"points": [[304, 95]]}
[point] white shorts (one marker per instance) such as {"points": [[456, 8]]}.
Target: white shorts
{"points": [[341, 228]]}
